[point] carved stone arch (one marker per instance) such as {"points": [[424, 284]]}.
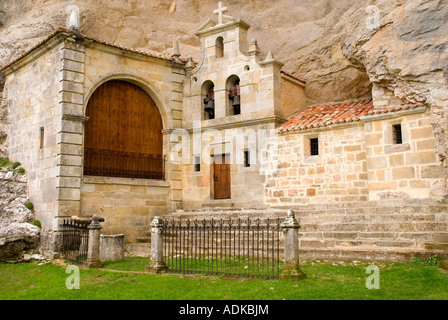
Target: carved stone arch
{"points": [[151, 89], [123, 137]]}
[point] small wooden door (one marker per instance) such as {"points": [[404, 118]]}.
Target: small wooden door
{"points": [[221, 177]]}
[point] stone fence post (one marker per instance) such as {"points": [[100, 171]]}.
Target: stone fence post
{"points": [[291, 242], [93, 252], [156, 265]]}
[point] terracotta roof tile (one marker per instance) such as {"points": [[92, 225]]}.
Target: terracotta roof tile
{"points": [[336, 113]]}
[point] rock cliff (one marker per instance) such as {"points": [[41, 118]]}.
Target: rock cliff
{"points": [[17, 231]]}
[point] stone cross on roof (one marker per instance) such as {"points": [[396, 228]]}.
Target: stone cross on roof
{"points": [[220, 12]]}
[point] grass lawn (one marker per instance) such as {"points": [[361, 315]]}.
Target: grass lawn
{"points": [[325, 281]]}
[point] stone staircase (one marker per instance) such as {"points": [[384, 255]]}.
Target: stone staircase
{"points": [[393, 230]]}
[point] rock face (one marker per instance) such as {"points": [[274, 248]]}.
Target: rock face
{"points": [[16, 231], [342, 49]]}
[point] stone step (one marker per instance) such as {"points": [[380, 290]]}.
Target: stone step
{"points": [[143, 239], [212, 212], [437, 245], [440, 237], [444, 264], [364, 253], [335, 244], [219, 205], [138, 250]]}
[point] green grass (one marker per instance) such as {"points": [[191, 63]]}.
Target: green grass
{"points": [[325, 281]]}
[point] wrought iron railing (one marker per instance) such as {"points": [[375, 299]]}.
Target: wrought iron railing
{"points": [[243, 248], [109, 163], [74, 240]]}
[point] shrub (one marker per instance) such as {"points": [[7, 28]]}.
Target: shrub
{"points": [[37, 224], [15, 165], [433, 261], [4, 162], [29, 206]]}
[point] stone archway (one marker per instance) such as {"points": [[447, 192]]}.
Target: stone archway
{"points": [[123, 137]]}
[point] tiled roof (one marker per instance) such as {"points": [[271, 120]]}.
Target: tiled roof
{"points": [[337, 113], [63, 30]]}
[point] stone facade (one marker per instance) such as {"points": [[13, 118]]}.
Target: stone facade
{"points": [[46, 130], [364, 196], [358, 162], [268, 97], [364, 176]]}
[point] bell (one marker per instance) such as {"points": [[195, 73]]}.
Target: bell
{"points": [[210, 107], [236, 101]]}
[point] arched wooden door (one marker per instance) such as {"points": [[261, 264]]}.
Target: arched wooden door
{"points": [[123, 136]]}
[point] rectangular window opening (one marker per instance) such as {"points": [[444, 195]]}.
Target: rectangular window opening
{"points": [[397, 134], [314, 147], [197, 164], [246, 159], [41, 137]]}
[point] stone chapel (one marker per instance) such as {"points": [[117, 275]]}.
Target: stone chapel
{"points": [[129, 135]]}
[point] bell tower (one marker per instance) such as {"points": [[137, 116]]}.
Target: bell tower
{"points": [[224, 39], [231, 83], [232, 102]]}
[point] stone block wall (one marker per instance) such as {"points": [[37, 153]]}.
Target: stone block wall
{"points": [[337, 174], [408, 170], [127, 205], [34, 118], [358, 162], [247, 183], [47, 93], [161, 79]]}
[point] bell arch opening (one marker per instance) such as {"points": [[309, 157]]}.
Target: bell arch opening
{"points": [[208, 93], [234, 96]]}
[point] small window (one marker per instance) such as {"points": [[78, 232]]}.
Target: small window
{"points": [[197, 164], [219, 47], [246, 159], [41, 137], [314, 147], [397, 134]]}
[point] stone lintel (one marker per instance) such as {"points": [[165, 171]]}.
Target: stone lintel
{"points": [[75, 118], [239, 124]]}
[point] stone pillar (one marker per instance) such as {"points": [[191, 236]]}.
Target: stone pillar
{"points": [[93, 253], [156, 265], [291, 239]]}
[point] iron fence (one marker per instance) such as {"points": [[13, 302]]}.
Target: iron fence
{"points": [[74, 240], [111, 163], [243, 248]]}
